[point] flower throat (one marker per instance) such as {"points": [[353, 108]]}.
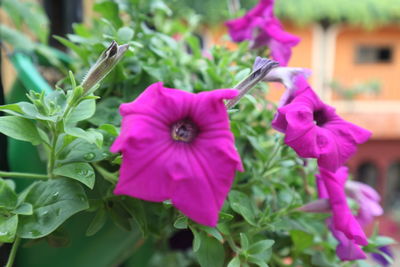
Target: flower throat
{"points": [[184, 131]]}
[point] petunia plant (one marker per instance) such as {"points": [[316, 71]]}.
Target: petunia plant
{"points": [[150, 164]]}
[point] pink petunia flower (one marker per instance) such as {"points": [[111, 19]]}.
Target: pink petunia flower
{"points": [[367, 199], [260, 26], [347, 249], [343, 224], [178, 145], [314, 130]]}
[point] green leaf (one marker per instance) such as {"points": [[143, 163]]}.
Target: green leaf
{"points": [[196, 239], [8, 228], [24, 209], [181, 222], [260, 247], [79, 171], [257, 261], [381, 241], [212, 231], [20, 129], [301, 240], [97, 223], [320, 259], [109, 10], [75, 48], [240, 203], [138, 212], [90, 135], [211, 252], [244, 241], [16, 39], [81, 150], [83, 111], [111, 129], [120, 215], [224, 217], [235, 262], [53, 201], [125, 34], [8, 198]]}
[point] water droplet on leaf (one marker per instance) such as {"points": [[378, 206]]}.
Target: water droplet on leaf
{"points": [[89, 156]]}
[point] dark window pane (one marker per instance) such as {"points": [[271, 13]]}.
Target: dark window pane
{"points": [[373, 54], [393, 186], [367, 173]]}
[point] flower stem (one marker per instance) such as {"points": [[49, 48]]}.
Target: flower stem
{"points": [[13, 252], [22, 174], [250, 81], [52, 154]]}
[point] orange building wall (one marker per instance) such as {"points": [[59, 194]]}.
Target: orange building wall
{"points": [[350, 73]]}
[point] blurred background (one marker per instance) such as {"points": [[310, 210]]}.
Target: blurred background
{"points": [[352, 48]]}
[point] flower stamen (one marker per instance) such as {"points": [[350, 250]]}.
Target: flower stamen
{"points": [[184, 131]]}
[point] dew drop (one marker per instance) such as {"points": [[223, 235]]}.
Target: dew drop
{"points": [[89, 156], [55, 195], [4, 233]]}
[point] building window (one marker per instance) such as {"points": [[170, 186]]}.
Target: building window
{"points": [[367, 173], [374, 54], [393, 186]]}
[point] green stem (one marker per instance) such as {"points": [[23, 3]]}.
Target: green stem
{"points": [[22, 174], [13, 252], [52, 155]]}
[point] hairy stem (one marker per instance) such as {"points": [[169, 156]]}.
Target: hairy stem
{"points": [[250, 81], [22, 174], [52, 154], [13, 252]]}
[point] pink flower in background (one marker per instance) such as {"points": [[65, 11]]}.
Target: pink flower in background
{"points": [[367, 199], [365, 196], [314, 130], [262, 28], [343, 224], [178, 145]]}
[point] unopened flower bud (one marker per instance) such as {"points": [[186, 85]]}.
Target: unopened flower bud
{"points": [[106, 62]]}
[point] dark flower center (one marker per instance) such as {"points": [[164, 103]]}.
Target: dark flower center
{"points": [[184, 131], [320, 118]]}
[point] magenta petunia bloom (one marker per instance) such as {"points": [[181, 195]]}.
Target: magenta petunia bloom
{"points": [[262, 28], [367, 199], [347, 249], [314, 130], [178, 146], [343, 224]]}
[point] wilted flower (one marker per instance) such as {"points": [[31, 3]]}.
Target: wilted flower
{"points": [[262, 28], [343, 225], [177, 145], [314, 130], [367, 199]]}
